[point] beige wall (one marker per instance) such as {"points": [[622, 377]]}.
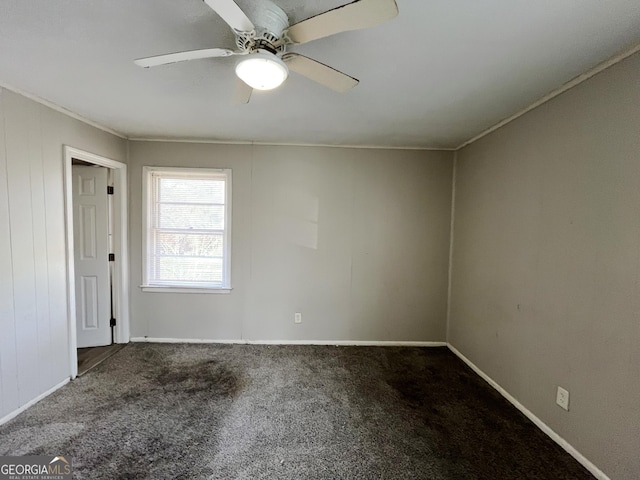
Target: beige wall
{"points": [[34, 352], [356, 240], [546, 263]]}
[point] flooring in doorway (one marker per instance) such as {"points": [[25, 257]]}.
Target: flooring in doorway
{"points": [[93, 356]]}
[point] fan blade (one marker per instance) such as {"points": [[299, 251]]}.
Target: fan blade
{"points": [[319, 72], [353, 16], [183, 57], [242, 92], [232, 14]]}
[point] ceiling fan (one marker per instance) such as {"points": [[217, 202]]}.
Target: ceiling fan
{"points": [[263, 43]]}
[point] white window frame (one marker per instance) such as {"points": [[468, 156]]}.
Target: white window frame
{"points": [[147, 191]]}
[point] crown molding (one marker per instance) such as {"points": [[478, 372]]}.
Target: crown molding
{"points": [[554, 93], [284, 144], [62, 110]]}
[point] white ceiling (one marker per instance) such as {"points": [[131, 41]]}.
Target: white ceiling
{"points": [[441, 72]]}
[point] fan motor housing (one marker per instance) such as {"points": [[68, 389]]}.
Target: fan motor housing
{"points": [[270, 21]]}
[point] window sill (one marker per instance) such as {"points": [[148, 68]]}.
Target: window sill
{"points": [[167, 289]]}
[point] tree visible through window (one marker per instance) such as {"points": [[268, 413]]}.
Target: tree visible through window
{"points": [[188, 227]]}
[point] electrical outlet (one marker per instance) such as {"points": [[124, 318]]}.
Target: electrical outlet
{"points": [[562, 398], [297, 318]]}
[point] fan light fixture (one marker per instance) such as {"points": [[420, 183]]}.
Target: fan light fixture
{"points": [[262, 71]]}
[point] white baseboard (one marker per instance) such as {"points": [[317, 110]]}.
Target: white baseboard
{"points": [[353, 343], [359, 343], [595, 471], [179, 340], [30, 403]]}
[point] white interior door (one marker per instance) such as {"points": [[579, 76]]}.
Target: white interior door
{"points": [[91, 254]]}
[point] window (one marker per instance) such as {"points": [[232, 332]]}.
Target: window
{"points": [[188, 229]]}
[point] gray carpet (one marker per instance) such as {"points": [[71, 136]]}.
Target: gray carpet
{"points": [[286, 412]]}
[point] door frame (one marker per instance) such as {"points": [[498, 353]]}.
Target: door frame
{"points": [[120, 242]]}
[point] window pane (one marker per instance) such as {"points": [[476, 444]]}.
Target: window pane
{"points": [[191, 190], [191, 244], [183, 269], [205, 217], [188, 231]]}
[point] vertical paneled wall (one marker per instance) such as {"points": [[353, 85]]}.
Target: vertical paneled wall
{"points": [[34, 352]]}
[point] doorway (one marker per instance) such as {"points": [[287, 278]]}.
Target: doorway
{"points": [[97, 264], [92, 233]]}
